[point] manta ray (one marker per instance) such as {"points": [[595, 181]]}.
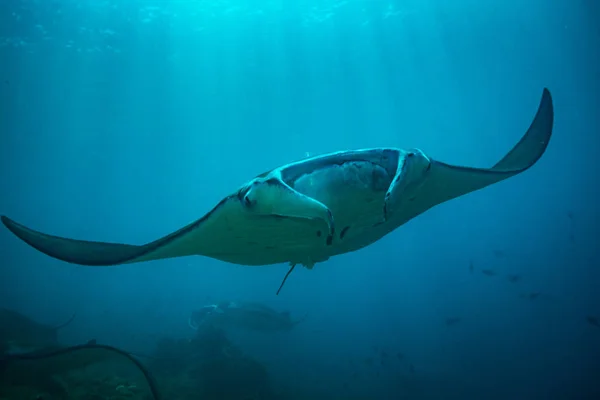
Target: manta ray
{"points": [[18, 332], [245, 315], [305, 212], [38, 368]]}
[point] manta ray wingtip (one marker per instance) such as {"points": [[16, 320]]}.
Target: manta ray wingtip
{"points": [[5, 220]]}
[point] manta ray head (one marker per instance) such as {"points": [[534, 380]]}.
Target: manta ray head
{"points": [[413, 168], [260, 195], [244, 193], [199, 317]]}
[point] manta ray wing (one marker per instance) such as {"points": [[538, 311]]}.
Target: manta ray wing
{"points": [[228, 233], [444, 182], [74, 251]]}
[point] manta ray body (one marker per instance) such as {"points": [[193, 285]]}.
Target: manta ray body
{"points": [[308, 211], [244, 315]]}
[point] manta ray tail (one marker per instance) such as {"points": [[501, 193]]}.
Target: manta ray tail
{"points": [[292, 266], [449, 181]]}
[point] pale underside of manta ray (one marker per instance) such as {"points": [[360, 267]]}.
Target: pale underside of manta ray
{"points": [[308, 211]]}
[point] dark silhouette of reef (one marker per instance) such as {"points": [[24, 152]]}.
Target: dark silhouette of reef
{"points": [[209, 366]]}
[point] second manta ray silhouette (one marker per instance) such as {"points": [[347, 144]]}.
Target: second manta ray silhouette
{"points": [[18, 332], [244, 315], [308, 211]]}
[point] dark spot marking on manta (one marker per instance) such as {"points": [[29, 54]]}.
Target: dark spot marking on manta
{"points": [[331, 229], [343, 232], [319, 233]]}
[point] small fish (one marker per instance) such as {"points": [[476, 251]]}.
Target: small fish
{"points": [[513, 278], [400, 356], [488, 272], [384, 360], [593, 321], [531, 296], [452, 321], [471, 266], [411, 369], [499, 254]]}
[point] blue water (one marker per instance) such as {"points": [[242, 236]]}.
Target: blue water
{"points": [[124, 120]]}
